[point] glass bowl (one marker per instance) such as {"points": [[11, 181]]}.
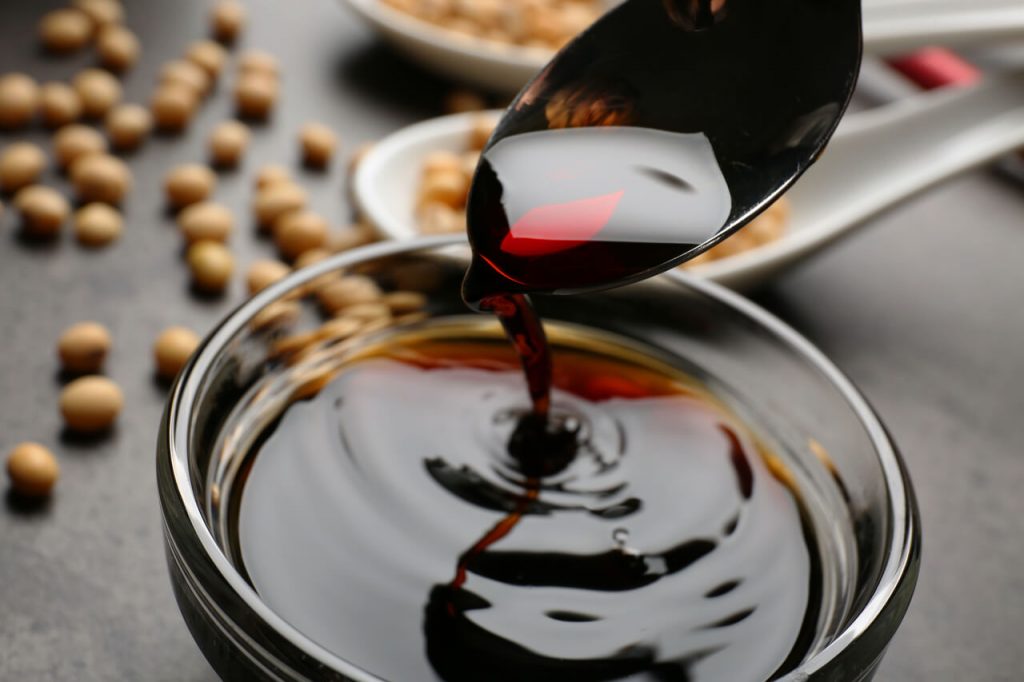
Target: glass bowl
{"points": [[786, 388]]}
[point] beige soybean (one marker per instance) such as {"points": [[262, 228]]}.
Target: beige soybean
{"points": [[173, 106], [294, 343], [462, 101], [763, 229], [318, 143], [43, 210], [344, 292], [211, 265], [227, 19], [19, 97], [75, 141], [83, 347], [102, 12], [298, 231], [209, 55], [401, 302], [91, 404], [277, 314], [480, 131], [370, 311], [98, 224], [469, 162], [206, 221], [21, 164], [439, 218], [255, 95], [188, 184], [311, 257], [98, 90], [128, 125], [441, 161], [227, 143], [262, 273], [65, 30], [446, 187], [258, 62], [271, 174], [340, 328], [349, 238], [101, 177], [276, 200], [32, 470], [59, 104], [172, 350], [188, 74], [118, 48]]}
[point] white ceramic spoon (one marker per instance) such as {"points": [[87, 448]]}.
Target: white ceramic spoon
{"points": [[889, 26], [897, 26], [876, 159]]}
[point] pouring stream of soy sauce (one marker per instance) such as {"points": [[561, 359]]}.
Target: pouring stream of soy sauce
{"points": [[650, 138]]}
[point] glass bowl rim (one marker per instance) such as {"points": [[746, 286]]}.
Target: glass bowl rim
{"points": [[899, 554]]}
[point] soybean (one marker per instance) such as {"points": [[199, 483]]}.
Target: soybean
{"points": [[206, 221], [43, 210], [118, 48], [101, 177], [128, 125], [172, 350], [59, 104], [189, 184], [91, 404], [318, 143], [75, 141], [19, 97], [21, 164], [227, 143], [33, 470], [227, 19], [98, 224], [83, 347], [98, 90], [211, 265], [65, 30]]}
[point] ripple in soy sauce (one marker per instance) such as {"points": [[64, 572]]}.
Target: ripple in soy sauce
{"points": [[421, 544]]}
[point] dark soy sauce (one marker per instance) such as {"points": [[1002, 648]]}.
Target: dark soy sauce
{"points": [[420, 519], [655, 542]]}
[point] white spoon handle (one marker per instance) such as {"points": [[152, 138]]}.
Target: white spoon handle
{"points": [[893, 27], [881, 157]]}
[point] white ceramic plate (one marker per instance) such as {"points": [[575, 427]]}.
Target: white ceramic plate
{"points": [[487, 64]]}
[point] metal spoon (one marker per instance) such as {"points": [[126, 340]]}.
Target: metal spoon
{"points": [[701, 112]]}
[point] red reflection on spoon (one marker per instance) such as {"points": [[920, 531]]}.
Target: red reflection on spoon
{"points": [[557, 227]]}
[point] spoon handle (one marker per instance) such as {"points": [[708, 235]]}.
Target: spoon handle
{"points": [[900, 27], [881, 157]]}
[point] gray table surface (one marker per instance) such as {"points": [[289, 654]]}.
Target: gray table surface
{"points": [[923, 310]]}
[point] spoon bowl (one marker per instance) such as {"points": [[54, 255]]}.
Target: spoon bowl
{"points": [[654, 135]]}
